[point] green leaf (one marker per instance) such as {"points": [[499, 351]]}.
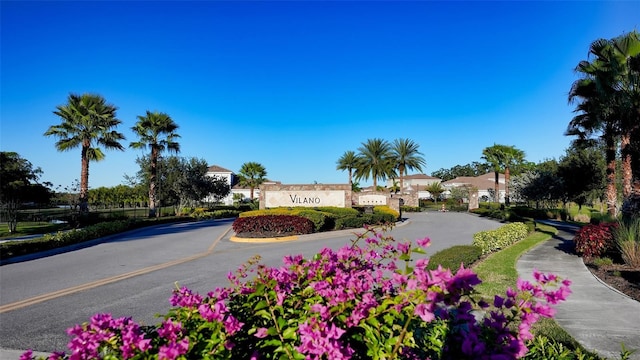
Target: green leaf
{"points": [[260, 305], [289, 333]]}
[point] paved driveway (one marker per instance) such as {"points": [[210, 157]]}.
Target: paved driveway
{"points": [[134, 274]]}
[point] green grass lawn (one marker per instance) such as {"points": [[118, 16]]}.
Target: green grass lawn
{"points": [[30, 228]]}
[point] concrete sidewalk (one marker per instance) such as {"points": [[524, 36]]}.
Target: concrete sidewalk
{"points": [[597, 316]]}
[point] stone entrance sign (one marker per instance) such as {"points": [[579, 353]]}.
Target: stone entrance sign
{"points": [[316, 195], [304, 198]]}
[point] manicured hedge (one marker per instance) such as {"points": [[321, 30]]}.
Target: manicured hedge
{"points": [[273, 225], [386, 210], [330, 218], [321, 220], [452, 257], [493, 240], [338, 212], [364, 219]]}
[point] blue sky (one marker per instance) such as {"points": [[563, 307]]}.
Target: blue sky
{"points": [[294, 84]]}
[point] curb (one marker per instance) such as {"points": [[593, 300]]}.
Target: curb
{"points": [[264, 240]]}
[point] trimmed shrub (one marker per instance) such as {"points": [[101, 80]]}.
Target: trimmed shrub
{"points": [[380, 218], [273, 225], [338, 212], [595, 240], [318, 218], [274, 211], [493, 240], [386, 210], [452, 257], [364, 219], [406, 208], [221, 214], [350, 222]]}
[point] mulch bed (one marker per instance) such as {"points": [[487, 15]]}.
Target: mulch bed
{"points": [[619, 276]]}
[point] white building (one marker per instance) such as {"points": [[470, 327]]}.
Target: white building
{"points": [[484, 183], [232, 179], [415, 182]]}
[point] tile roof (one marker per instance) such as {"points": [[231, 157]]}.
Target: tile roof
{"points": [[420, 176], [218, 169], [482, 182]]}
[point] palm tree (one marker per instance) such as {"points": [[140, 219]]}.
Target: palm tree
{"points": [[608, 96], [406, 156], [156, 131], [625, 69], [348, 161], [252, 174], [435, 189], [502, 158], [88, 122], [375, 161]]}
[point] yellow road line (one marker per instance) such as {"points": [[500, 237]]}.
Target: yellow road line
{"points": [[68, 291]]}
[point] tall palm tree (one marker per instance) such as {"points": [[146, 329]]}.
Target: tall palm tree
{"points": [[406, 156], [88, 122], [375, 161], [625, 66], [348, 161], [156, 131], [608, 96], [502, 158], [252, 175]]}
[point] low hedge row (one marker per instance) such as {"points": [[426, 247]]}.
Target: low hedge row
{"points": [[332, 218], [493, 240], [364, 219], [452, 257], [386, 210], [216, 214], [273, 225]]}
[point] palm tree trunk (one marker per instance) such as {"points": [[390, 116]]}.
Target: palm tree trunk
{"points": [[401, 179], [625, 145], [506, 186], [84, 178], [496, 188], [611, 190], [153, 178]]}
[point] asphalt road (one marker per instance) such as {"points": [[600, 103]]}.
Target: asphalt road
{"points": [[133, 274]]}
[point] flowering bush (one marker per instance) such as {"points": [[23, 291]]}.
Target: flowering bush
{"points": [[368, 300], [273, 225], [595, 240]]}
